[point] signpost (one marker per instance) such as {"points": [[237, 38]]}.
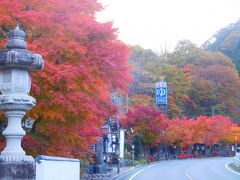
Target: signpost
{"points": [[162, 95]]}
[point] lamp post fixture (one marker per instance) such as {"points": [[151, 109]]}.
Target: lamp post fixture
{"points": [[16, 62]]}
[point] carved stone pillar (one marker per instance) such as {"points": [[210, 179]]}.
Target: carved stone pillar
{"points": [[15, 64]]}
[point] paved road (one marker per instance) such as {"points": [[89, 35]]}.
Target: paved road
{"points": [[191, 169]]}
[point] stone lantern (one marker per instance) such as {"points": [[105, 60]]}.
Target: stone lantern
{"points": [[16, 62]]}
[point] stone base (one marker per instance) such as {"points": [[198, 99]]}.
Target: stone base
{"points": [[17, 170], [100, 169]]}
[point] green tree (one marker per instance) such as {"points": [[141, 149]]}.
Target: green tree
{"points": [[214, 82], [227, 40], [149, 68]]}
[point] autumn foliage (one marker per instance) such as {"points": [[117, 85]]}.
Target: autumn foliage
{"points": [[154, 128], [148, 123], [233, 136], [84, 61], [200, 82]]}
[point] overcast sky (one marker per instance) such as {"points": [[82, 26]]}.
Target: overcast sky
{"points": [[154, 23]]}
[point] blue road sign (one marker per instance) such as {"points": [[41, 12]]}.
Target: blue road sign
{"points": [[161, 93]]}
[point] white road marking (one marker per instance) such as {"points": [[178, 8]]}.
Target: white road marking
{"points": [[226, 165], [131, 178], [189, 177]]}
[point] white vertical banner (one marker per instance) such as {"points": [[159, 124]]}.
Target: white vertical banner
{"points": [[121, 149]]}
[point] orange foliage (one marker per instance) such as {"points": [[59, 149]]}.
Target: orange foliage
{"points": [[83, 62], [155, 128], [209, 130], [234, 135], [179, 132]]}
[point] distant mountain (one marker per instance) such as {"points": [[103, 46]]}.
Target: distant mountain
{"points": [[227, 40]]}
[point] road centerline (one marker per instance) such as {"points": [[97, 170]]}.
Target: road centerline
{"points": [[188, 175]]}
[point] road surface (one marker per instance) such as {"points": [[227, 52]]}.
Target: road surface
{"points": [[191, 169]]}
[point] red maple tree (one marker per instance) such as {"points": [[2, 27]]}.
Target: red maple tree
{"points": [[84, 61], [148, 123]]}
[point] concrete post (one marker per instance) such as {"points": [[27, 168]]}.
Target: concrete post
{"points": [[15, 64]]}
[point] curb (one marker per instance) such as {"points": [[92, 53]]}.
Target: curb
{"points": [[230, 169]]}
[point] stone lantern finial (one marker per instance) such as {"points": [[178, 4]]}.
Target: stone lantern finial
{"points": [[17, 56], [17, 39]]}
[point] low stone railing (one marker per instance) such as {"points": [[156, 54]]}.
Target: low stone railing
{"points": [[57, 168], [236, 161]]}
